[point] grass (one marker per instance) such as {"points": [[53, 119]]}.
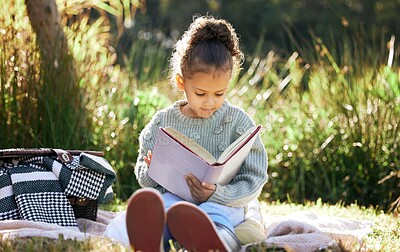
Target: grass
{"points": [[385, 235]]}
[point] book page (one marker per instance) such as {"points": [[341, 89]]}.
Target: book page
{"points": [[190, 145], [171, 161], [236, 155], [238, 143]]}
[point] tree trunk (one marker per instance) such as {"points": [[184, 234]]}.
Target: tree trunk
{"points": [[46, 23], [60, 109]]}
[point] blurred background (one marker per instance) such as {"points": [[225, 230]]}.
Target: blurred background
{"points": [[322, 77]]}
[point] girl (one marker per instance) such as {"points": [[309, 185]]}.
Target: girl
{"points": [[202, 64]]}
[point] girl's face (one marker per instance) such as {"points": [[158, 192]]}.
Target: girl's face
{"points": [[205, 92]]}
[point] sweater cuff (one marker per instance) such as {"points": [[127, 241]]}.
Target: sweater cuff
{"points": [[219, 195], [144, 178]]}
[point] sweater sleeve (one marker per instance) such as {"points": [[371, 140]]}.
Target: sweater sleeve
{"points": [[249, 181], [147, 140]]}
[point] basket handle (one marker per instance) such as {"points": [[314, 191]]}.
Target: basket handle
{"points": [[64, 156]]}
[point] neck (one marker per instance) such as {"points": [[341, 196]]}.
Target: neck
{"points": [[187, 111]]}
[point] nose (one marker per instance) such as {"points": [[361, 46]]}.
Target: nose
{"points": [[209, 101]]}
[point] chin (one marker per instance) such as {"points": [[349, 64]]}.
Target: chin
{"points": [[206, 115]]}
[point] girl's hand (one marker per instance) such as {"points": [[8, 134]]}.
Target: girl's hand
{"points": [[200, 191], [147, 158]]}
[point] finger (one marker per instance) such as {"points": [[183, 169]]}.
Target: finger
{"points": [[191, 183], [147, 160], [207, 186], [194, 180], [195, 190], [195, 186]]}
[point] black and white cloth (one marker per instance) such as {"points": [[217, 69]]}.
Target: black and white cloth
{"points": [[36, 188]]}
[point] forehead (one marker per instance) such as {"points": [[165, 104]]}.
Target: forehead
{"points": [[211, 81]]}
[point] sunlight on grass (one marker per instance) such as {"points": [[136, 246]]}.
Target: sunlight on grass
{"points": [[47, 244]]}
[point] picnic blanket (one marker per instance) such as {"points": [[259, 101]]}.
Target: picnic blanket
{"points": [[307, 231], [301, 231]]}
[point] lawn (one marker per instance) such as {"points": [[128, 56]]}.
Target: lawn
{"points": [[384, 237]]}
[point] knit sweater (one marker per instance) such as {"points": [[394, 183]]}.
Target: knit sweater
{"points": [[214, 134]]}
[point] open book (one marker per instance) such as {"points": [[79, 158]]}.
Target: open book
{"points": [[175, 156]]}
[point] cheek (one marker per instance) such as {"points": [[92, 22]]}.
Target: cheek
{"points": [[221, 100], [193, 99]]}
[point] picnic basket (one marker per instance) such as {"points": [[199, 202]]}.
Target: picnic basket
{"points": [[84, 180]]}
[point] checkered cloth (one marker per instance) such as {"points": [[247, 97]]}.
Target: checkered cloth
{"points": [[35, 188], [8, 206], [87, 176]]}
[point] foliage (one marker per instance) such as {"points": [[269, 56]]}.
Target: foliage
{"points": [[14, 57], [256, 18], [331, 127], [147, 59], [33, 113], [118, 109]]}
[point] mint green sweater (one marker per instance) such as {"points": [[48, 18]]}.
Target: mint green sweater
{"points": [[214, 134]]}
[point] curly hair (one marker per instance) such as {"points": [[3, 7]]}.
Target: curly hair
{"points": [[209, 44]]}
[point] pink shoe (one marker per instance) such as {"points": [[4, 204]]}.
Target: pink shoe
{"points": [[195, 231], [145, 219]]}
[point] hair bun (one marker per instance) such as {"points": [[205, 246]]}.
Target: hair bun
{"points": [[214, 30]]}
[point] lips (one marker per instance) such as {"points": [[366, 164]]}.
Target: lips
{"points": [[208, 110]]}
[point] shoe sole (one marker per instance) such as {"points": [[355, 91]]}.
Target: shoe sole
{"points": [[145, 219], [193, 229]]}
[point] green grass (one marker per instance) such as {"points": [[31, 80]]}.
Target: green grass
{"points": [[385, 235]]}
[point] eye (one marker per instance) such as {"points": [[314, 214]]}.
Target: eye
{"points": [[200, 94], [219, 94]]}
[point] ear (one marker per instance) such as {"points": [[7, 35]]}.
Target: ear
{"points": [[179, 82]]}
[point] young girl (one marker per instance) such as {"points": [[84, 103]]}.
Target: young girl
{"points": [[202, 65]]}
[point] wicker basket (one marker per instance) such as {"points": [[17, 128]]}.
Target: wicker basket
{"points": [[83, 208]]}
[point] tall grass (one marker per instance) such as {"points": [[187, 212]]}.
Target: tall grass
{"points": [[19, 74], [331, 122], [118, 108], [148, 56], [41, 105]]}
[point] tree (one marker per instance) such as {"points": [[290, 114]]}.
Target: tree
{"points": [[60, 109], [45, 21]]}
